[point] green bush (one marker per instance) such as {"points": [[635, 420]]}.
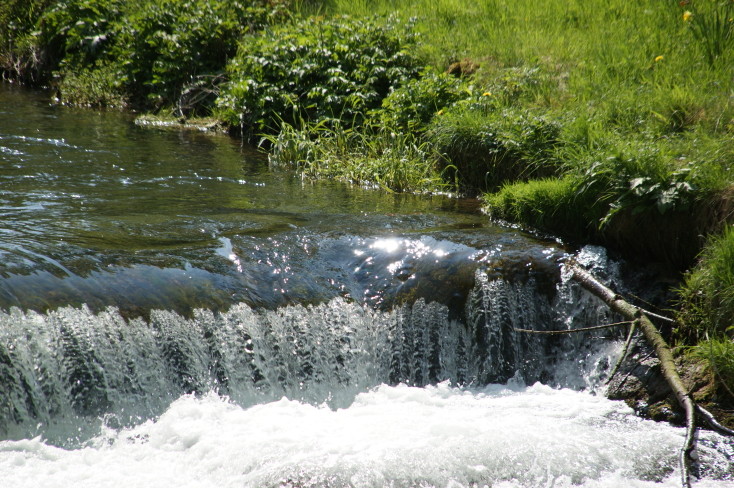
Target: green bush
{"points": [[411, 106], [99, 87], [490, 147], [316, 69], [157, 48], [20, 58], [636, 179], [76, 33]]}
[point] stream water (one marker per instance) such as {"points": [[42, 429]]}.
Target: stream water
{"points": [[173, 313]]}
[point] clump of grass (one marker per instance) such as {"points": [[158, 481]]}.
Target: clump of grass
{"points": [[711, 25], [707, 295], [547, 204], [489, 147], [719, 354], [633, 197], [371, 156], [679, 111]]}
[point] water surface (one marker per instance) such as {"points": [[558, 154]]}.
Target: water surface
{"points": [[97, 210]]}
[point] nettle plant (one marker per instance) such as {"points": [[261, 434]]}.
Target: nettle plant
{"points": [[412, 106], [316, 69]]}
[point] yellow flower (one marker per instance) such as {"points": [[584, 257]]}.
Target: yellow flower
{"points": [[687, 15], [486, 94], [658, 58], [440, 112]]}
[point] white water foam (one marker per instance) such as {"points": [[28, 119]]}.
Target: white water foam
{"points": [[435, 436]]}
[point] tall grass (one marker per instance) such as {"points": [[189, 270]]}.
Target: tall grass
{"points": [[719, 353], [707, 296], [627, 63], [371, 156]]}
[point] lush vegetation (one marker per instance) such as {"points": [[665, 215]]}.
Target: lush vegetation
{"points": [[605, 121], [144, 54], [312, 70]]}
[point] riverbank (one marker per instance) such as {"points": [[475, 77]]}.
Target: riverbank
{"points": [[606, 122]]}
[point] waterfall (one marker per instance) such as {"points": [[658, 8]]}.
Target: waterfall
{"points": [[63, 372], [334, 394]]}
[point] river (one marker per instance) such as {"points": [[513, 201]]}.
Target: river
{"points": [[173, 313]]}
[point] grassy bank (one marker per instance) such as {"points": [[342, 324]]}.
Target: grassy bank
{"points": [[597, 121]]}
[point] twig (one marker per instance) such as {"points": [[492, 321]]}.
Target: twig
{"points": [[713, 423], [650, 313], [625, 349], [571, 331], [657, 316]]}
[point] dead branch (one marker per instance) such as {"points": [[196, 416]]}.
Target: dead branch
{"points": [[658, 316], [571, 331], [625, 349], [713, 423], [663, 352]]}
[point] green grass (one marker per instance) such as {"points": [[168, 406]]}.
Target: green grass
{"points": [[546, 204], [488, 146], [707, 296], [719, 355], [372, 156]]}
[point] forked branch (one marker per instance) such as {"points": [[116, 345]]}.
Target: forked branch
{"points": [[663, 352]]}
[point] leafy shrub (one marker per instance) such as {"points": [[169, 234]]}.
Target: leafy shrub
{"points": [[95, 87], [649, 206], [19, 56], [156, 47], [76, 33], [411, 106], [173, 42], [636, 180], [316, 69], [488, 148]]}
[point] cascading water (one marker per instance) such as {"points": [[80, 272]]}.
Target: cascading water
{"points": [[336, 394], [66, 368]]}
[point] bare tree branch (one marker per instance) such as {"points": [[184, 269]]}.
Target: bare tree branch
{"points": [[625, 349], [571, 331], [663, 352]]}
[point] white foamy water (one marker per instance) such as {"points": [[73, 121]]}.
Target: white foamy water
{"points": [[499, 436]]}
